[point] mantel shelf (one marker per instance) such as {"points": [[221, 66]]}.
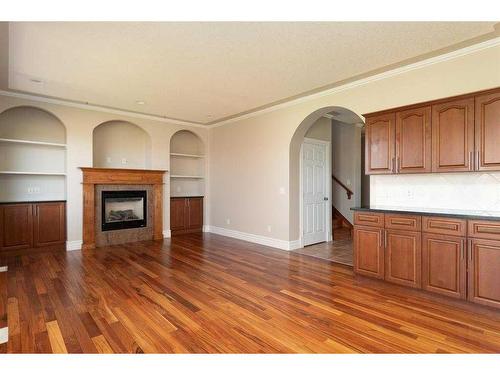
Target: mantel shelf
{"points": [[33, 173], [22, 141], [181, 176], [177, 154]]}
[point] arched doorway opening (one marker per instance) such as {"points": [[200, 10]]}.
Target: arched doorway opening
{"points": [[326, 180]]}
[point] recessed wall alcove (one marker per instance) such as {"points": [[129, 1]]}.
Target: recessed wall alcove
{"points": [[121, 144], [187, 165], [33, 149]]}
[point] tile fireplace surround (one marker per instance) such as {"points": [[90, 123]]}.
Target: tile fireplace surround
{"points": [[95, 180]]}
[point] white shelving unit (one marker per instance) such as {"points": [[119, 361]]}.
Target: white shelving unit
{"points": [[33, 149], [187, 165], [23, 141]]}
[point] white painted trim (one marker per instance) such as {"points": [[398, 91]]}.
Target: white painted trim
{"points": [[261, 240], [360, 82], [92, 107], [4, 335], [206, 228], [167, 233], [4, 268], [74, 245], [328, 211]]}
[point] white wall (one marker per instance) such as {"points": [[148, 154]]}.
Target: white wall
{"points": [[346, 166], [254, 156], [80, 123]]}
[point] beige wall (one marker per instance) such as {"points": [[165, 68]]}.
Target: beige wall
{"points": [[321, 129], [252, 158], [80, 123], [346, 166]]}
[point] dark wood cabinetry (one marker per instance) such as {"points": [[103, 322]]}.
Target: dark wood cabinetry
{"points": [[380, 144], [369, 261], [49, 224], [444, 265], [455, 257], [26, 226], [453, 136], [186, 215], [488, 131], [456, 134], [413, 140], [403, 257], [484, 272]]}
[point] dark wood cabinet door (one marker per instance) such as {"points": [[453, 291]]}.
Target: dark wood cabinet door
{"points": [[484, 272], [178, 214], [413, 140], [444, 265], [368, 252], [380, 150], [453, 136], [403, 251], [49, 224], [195, 208], [16, 226], [488, 132]]}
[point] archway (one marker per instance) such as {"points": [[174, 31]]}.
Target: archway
{"points": [[121, 144], [338, 115]]}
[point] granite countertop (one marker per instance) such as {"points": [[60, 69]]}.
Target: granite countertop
{"points": [[465, 214]]}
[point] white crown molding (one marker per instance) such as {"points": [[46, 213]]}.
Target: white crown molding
{"points": [[376, 77], [97, 108], [74, 245], [261, 240]]}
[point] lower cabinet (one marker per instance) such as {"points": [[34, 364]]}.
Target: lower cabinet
{"points": [[444, 265], [186, 215], [453, 257], [484, 272], [26, 226], [403, 251], [369, 260]]}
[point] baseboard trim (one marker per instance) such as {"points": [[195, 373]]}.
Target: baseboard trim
{"points": [[74, 245], [167, 233], [261, 240]]}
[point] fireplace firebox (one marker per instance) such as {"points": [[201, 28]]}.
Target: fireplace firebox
{"points": [[124, 209]]}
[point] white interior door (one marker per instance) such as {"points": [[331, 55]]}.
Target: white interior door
{"points": [[314, 190]]}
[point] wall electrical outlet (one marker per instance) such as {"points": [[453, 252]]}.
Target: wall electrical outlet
{"points": [[228, 221], [108, 159], [269, 229], [282, 190], [124, 161]]}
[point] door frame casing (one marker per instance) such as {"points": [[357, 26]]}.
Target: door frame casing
{"points": [[328, 211]]}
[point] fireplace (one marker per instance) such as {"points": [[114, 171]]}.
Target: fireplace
{"points": [[123, 209]]}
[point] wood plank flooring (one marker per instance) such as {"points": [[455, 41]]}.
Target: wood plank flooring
{"points": [[203, 293]]}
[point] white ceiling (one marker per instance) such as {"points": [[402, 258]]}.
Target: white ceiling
{"points": [[203, 72]]}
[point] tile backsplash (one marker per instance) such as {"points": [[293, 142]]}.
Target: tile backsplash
{"points": [[467, 191]]}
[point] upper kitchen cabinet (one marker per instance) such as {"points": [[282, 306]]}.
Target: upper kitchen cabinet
{"points": [[453, 136], [413, 140], [457, 134], [380, 144], [488, 131]]}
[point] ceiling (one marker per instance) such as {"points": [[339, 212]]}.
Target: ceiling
{"points": [[205, 72]]}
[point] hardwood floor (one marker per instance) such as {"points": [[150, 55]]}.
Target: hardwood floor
{"points": [[205, 293]]}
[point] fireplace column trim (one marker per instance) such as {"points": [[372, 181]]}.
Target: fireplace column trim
{"points": [[111, 176]]}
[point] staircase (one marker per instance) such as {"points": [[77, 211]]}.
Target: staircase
{"points": [[342, 228]]}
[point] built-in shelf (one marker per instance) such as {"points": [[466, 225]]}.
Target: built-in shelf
{"points": [[34, 173], [22, 141], [186, 155], [181, 176]]}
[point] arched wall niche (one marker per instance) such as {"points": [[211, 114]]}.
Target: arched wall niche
{"points": [[294, 157], [33, 150], [31, 124], [121, 144], [187, 164]]}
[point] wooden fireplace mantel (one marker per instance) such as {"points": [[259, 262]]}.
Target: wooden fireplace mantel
{"points": [[112, 176]]}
